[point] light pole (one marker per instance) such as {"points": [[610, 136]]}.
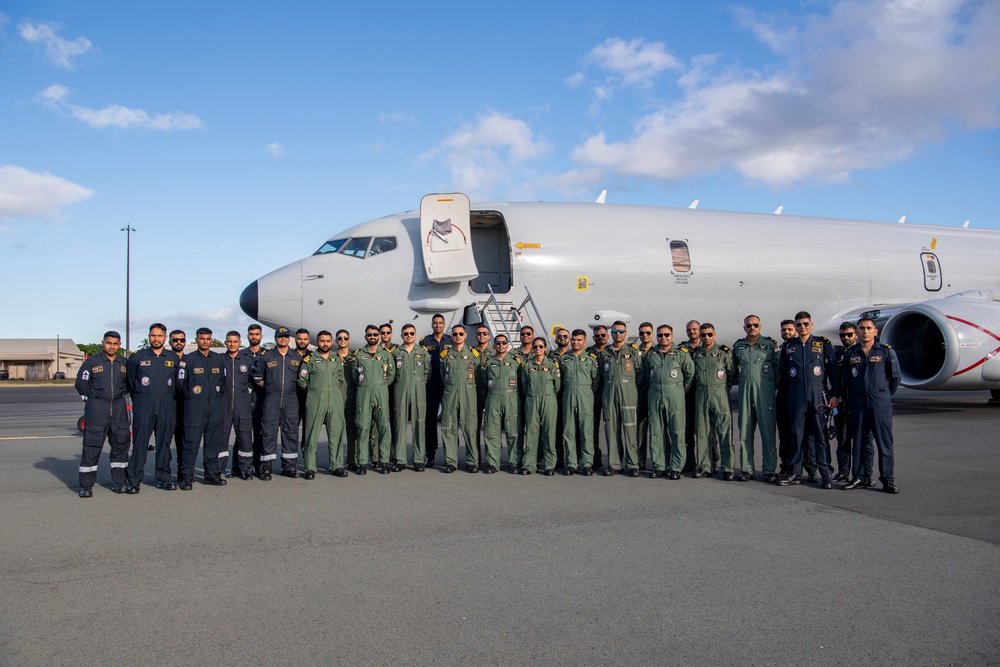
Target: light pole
{"points": [[128, 229], [57, 356]]}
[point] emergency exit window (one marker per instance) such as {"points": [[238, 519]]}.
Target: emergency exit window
{"points": [[680, 256]]}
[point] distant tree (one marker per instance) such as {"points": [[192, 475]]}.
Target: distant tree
{"points": [[144, 344], [217, 343], [91, 349]]}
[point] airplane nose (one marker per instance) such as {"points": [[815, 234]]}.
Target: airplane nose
{"points": [[248, 300]]}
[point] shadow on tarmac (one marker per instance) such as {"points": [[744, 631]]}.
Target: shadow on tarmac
{"points": [[65, 470]]}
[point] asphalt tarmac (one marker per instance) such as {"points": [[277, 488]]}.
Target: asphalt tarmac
{"points": [[426, 568]]}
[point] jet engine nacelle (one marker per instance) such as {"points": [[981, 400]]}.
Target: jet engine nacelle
{"points": [[951, 343]]}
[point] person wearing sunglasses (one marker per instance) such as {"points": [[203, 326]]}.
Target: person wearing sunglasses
{"points": [[601, 339], [540, 383], [669, 373], [499, 375], [787, 332], [486, 350], [618, 368], [372, 371], [413, 368], [458, 404], [808, 371], [848, 335], [178, 341], [578, 370], [385, 340], [713, 368], [645, 346], [342, 361], [254, 348], [693, 332], [755, 360]]}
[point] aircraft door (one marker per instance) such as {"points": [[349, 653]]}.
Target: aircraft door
{"points": [[932, 271], [446, 238]]}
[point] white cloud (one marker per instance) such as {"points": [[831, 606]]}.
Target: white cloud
{"points": [[219, 319], [483, 155], [634, 63], [58, 51], [32, 194], [397, 120], [275, 150], [862, 87], [117, 116]]}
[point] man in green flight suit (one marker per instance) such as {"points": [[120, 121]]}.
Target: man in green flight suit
{"points": [[373, 371], [579, 382], [458, 405], [756, 360], [619, 376], [646, 345], [498, 374], [668, 373], [413, 368], [322, 378], [540, 384], [713, 367]]}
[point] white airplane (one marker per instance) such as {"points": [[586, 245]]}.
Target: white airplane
{"points": [[934, 291]]}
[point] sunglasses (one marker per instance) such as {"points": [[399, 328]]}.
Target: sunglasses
{"points": [[482, 333], [600, 335], [371, 335], [177, 340], [664, 335], [539, 347], [618, 331], [458, 334], [752, 326], [708, 335], [848, 335], [802, 324], [562, 337], [346, 338], [645, 333], [501, 342], [385, 333], [409, 333]]}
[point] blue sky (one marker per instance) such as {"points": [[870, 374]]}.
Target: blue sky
{"points": [[237, 137]]}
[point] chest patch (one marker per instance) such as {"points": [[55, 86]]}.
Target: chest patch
{"points": [[146, 362]]}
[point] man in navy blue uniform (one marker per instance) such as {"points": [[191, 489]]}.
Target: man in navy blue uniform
{"points": [[255, 349], [434, 343], [277, 371], [101, 383], [238, 412], [178, 341], [202, 383], [808, 372], [871, 377], [150, 374]]}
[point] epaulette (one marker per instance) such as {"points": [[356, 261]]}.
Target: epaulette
{"points": [[886, 346], [634, 346], [306, 358], [475, 352], [444, 353], [724, 348], [770, 339], [592, 354], [824, 339], [685, 348], [426, 349]]}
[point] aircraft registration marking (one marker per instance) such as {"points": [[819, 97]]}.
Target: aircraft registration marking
{"points": [[521, 245]]}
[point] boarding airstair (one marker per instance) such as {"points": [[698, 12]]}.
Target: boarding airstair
{"points": [[507, 318]]}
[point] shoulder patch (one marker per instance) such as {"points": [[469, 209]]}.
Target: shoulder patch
{"points": [[724, 348]]}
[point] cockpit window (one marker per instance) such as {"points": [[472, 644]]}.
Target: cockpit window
{"points": [[382, 244], [331, 246], [357, 247]]}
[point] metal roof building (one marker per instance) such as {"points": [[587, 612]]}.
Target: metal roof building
{"points": [[37, 359]]}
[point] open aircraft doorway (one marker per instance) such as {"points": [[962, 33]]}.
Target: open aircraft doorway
{"points": [[491, 249]]}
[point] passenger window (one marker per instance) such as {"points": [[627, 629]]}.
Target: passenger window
{"points": [[357, 247], [331, 246], [382, 244], [680, 257]]}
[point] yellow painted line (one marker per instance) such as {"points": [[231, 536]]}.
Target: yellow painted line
{"points": [[40, 437]]}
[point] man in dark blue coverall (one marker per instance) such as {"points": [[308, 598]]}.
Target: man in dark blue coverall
{"points": [[238, 411], [202, 383], [277, 371], [150, 374], [807, 369], [101, 382], [871, 377]]}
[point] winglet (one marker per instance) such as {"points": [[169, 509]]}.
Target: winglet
{"points": [[966, 225], [778, 210], [902, 220], [600, 197], [694, 204]]}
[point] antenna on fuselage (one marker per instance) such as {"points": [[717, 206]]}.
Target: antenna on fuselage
{"points": [[600, 197], [778, 210], [902, 220], [694, 204]]}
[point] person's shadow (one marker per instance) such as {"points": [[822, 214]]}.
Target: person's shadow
{"points": [[65, 470]]}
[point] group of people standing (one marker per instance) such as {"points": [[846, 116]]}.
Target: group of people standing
{"points": [[664, 406]]}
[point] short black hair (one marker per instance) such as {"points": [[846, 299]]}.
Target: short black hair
{"points": [[300, 331], [324, 332], [233, 333], [203, 331], [254, 327], [156, 326], [111, 334]]}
